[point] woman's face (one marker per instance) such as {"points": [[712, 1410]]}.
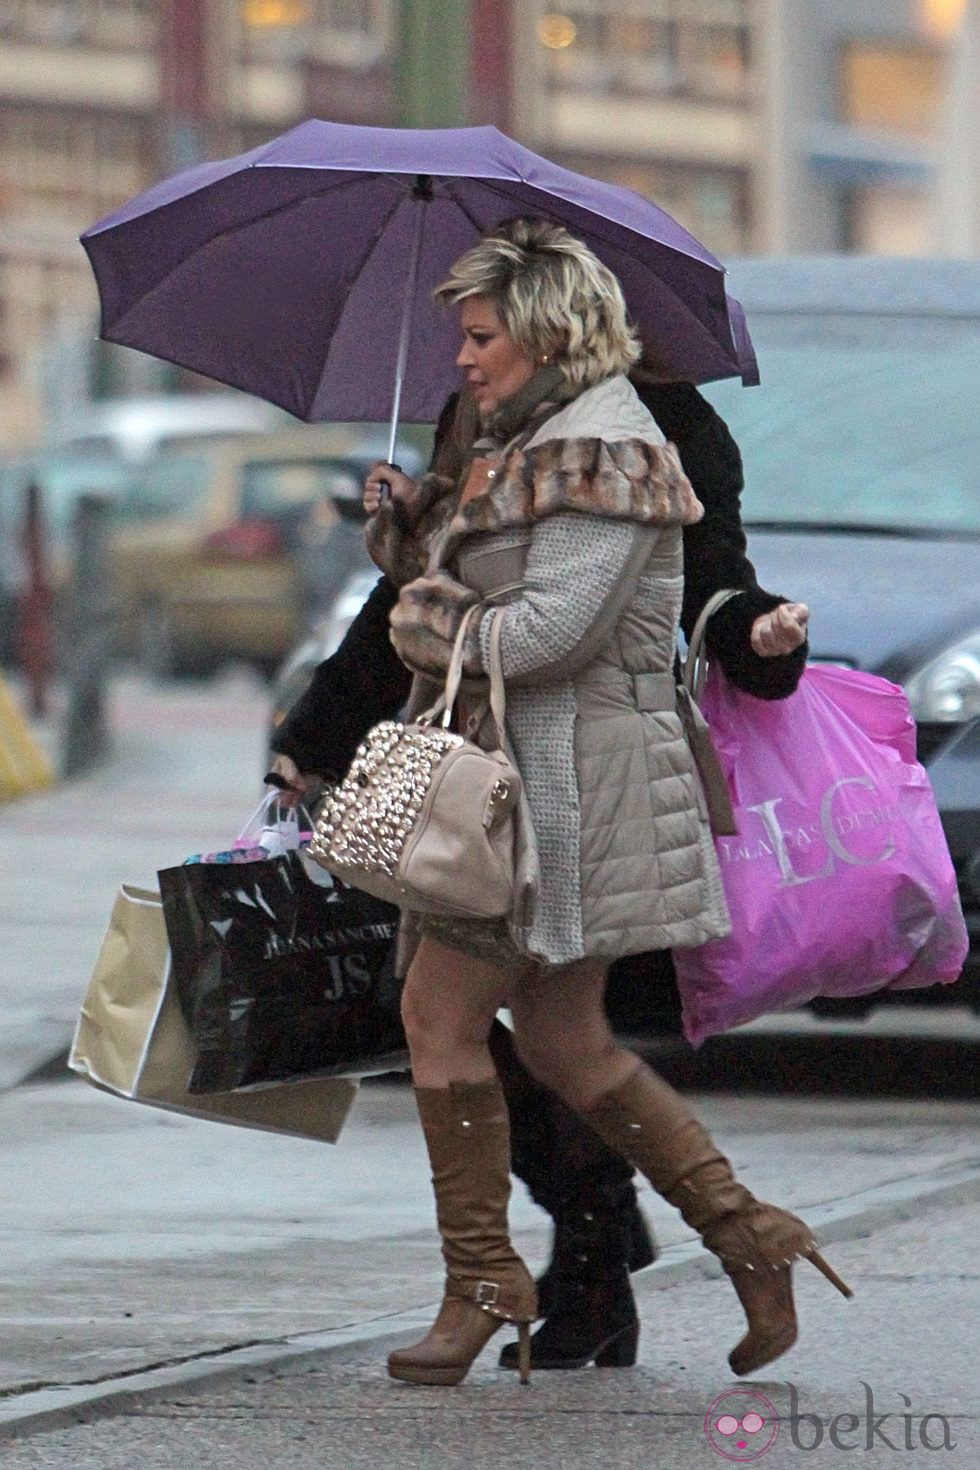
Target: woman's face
{"points": [[494, 365]]}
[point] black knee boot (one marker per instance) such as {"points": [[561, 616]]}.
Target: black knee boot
{"points": [[600, 1233]]}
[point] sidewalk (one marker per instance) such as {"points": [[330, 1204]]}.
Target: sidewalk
{"points": [[137, 1242], [890, 1375], [184, 773]]}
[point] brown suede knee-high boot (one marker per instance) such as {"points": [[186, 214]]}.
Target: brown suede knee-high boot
{"points": [[487, 1284], [648, 1122]]}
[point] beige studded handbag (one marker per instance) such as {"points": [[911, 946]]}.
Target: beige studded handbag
{"points": [[424, 817]]}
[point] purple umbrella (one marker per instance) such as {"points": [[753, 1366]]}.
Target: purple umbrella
{"points": [[303, 270]]}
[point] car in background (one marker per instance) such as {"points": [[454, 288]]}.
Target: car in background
{"points": [[230, 550], [221, 546], [861, 450], [103, 448], [134, 429], [61, 476]]}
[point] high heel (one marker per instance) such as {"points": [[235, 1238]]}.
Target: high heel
{"points": [[591, 1315], [756, 1243], [524, 1351], [757, 1249], [487, 1283], [825, 1269]]}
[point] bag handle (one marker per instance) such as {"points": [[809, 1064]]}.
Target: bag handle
{"points": [[498, 696], [454, 675], [270, 812], [255, 821], [696, 663]]}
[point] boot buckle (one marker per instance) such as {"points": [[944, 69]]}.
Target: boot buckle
{"points": [[486, 1293]]}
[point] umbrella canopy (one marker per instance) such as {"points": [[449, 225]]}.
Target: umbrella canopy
{"points": [[292, 271]]}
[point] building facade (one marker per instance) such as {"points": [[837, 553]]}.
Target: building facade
{"points": [[854, 123], [99, 98], [763, 125]]}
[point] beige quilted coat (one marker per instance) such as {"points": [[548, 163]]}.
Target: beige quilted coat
{"points": [[577, 540]]}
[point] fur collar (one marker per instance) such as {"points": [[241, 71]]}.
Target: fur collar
{"points": [[631, 480]]}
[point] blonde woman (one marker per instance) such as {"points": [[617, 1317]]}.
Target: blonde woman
{"points": [[566, 526]]}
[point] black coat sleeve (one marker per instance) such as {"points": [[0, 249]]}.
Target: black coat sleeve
{"points": [[363, 682], [715, 549]]}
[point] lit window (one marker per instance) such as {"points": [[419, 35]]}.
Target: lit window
{"points": [[896, 88], [266, 14], [699, 48], [712, 203], [942, 17]]}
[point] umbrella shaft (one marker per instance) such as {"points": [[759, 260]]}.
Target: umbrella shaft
{"points": [[401, 361]]}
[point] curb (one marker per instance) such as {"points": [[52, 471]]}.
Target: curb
{"points": [[59, 1407]]}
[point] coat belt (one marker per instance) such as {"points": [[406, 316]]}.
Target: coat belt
{"points": [[661, 692]]}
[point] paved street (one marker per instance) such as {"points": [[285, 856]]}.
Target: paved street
{"points": [[868, 1371], [146, 1252]]}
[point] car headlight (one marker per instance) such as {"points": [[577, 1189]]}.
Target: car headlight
{"points": [[946, 691]]}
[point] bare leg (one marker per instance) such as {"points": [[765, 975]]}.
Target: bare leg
{"points": [[563, 1035], [448, 1005]]}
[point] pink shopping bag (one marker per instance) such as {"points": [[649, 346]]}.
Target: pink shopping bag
{"points": [[840, 881]]}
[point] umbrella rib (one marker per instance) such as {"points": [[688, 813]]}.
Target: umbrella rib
{"points": [[265, 214], [354, 276], [270, 214]]}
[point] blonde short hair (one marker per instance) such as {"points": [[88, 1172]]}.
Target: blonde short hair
{"points": [[553, 294]]}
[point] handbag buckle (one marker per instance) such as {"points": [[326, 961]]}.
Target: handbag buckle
{"points": [[499, 801]]}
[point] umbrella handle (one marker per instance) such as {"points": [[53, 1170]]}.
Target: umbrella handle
{"points": [[384, 486]]}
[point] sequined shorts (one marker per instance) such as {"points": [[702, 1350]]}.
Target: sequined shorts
{"points": [[484, 939]]}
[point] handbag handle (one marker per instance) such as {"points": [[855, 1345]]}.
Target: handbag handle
{"points": [[498, 697], [696, 663], [454, 674]]}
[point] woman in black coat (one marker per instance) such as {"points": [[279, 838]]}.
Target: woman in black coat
{"points": [[759, 640]]}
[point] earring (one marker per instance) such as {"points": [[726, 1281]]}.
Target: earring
{"points": [[544, 359]]}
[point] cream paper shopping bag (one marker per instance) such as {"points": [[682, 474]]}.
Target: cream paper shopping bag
{"points": [[132, 1040]]}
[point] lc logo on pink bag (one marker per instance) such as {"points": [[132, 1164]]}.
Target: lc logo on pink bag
{"points": [[837, 819], [841, 882]]}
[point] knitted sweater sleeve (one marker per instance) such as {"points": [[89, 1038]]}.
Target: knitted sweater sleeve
{"points": [[581, 572]]}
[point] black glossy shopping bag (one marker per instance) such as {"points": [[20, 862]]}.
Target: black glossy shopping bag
{"points": [[281, 972]]}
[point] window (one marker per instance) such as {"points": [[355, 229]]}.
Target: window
{"points": [[712, 203], [348, 32], [170, 485], [860, 420], [696, 48], [277, 487], [883, 220], [897, 89], [125, 25], [72, 164]]}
